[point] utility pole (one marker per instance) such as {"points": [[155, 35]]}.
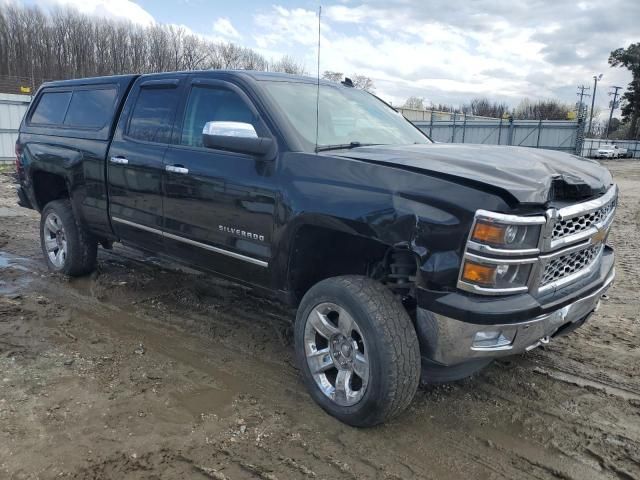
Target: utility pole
{"points": [[593, 99], [613, 107], [581, 93]]}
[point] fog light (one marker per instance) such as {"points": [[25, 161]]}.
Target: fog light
{"points": [[490, 339]]}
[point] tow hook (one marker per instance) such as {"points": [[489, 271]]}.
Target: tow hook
{"points": [[542, 341]]}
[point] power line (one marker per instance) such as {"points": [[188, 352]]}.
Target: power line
{"points": [[614, 105]]}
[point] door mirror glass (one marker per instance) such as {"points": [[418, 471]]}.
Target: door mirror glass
{"points": [[237, 137]]}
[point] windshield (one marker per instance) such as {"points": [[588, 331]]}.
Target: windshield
{"points": [[348, 117]]}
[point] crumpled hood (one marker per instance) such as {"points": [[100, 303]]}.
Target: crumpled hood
{"points": [[529, 175]]}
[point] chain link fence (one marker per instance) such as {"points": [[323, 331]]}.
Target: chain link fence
{"points": [[550, 134]]}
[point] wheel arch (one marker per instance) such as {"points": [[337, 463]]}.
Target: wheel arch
{"points": [[325, 248], [48, 186]]}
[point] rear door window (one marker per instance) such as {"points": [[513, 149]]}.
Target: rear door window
{"points": [[153, 114], [91, 108], [51, 108]]}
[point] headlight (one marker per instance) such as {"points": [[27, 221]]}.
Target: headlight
{"points": [[501, 253], [504, 235], [485, 274]]}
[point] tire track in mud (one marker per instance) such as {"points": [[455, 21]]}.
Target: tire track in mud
{"points": [[582, 423], [569, 371], [359, 457]]}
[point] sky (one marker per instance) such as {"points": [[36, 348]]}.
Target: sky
{"points": [[446, 51]]}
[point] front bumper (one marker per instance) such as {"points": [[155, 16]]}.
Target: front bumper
{"points": [[448, 341]]}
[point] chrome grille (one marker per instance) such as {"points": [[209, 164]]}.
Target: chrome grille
{"points": [[580, 223], [569, 264]]}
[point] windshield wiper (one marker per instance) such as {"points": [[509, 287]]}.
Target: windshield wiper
{"points": [[345, 146]]}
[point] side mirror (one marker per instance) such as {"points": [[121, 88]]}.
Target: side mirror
{"points": [[237, 137]]}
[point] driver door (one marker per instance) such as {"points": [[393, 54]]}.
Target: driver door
{"points": [[218, 206]]}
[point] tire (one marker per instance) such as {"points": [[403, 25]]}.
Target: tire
{"points": [[66, 245], [365, 328]]}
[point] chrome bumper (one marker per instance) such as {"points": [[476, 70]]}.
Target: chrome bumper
{"points": [[448, 341]]}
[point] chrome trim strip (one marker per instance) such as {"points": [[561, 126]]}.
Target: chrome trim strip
{"points": [[470, 287], [481, 247], [510, 219], [589, 206], [585, 234], [237, 256], [499, 261], [221, 251], [569, 278], [559, 253], [137, 225]]}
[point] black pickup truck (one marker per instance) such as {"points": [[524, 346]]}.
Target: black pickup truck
{"points": [[406, 259]]}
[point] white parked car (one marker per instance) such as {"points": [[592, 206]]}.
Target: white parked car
{"points": [[612, 151]]}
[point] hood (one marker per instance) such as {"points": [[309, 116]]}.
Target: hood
{"points": [[529, 175]]}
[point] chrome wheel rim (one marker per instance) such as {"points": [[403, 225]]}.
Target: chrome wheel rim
{"points": [[337, 354], [55, 240]]}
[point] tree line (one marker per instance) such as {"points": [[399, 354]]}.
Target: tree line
{"points": [[67, 44], [526, 110]]}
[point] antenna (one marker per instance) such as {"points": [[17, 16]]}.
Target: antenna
{"points": [[318, 84]]}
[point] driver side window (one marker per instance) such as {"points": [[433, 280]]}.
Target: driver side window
{"points": [[206, 104]]}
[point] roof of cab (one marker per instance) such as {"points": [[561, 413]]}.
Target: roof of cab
{"points": [[90, 81], [254, 74]]}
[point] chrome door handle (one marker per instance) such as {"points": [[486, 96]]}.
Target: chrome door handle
{"points": [[174, 169], [119, 160]]}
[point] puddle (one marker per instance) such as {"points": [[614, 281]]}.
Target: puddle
{"points": [[8, 260], [13, 275], [11, 212]]}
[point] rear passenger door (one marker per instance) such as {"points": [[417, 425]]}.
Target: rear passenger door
{"points": [[219, 206], [135, 160]]}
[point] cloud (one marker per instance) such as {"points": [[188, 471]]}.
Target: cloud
{"points": [[282, 26], [456, 49], [223, 27]]}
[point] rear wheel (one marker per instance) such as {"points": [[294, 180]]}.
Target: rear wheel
{"points": [[357, 350], [67, 247]]}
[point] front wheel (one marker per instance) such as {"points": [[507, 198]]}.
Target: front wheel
{"points": [[67, 247], [357, 350]]}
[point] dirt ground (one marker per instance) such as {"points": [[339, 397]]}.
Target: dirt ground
{"points": [[144, 370]]}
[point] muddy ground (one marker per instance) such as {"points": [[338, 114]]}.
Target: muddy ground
{"points": [[144, 370]]}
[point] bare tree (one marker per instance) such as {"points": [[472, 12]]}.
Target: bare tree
{"points": [[66, 44], [333, 76], [362, 82], [415, 103], [484, 107], [542, 110], [287, 64]]}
